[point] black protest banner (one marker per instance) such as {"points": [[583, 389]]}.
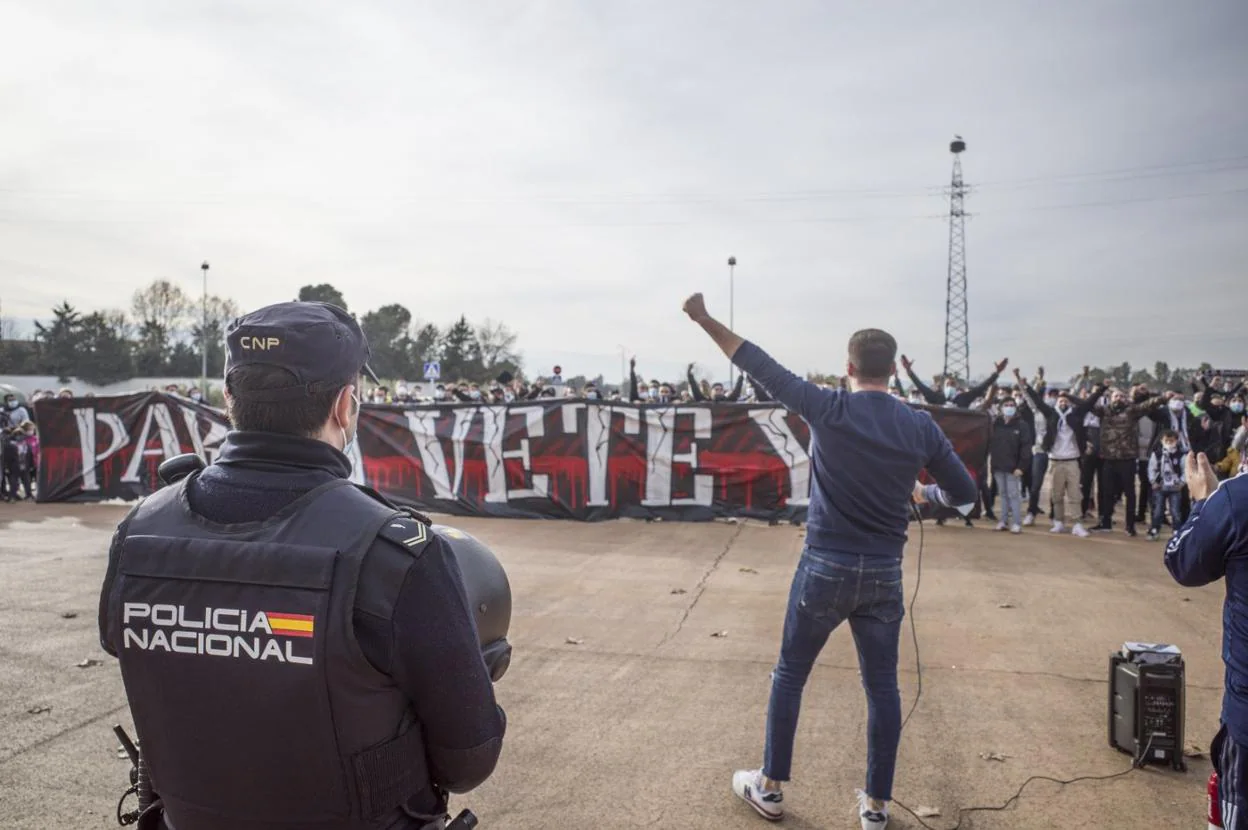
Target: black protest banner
{"points": [[555, 458]]}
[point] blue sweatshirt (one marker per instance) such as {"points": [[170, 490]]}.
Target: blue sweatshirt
{"points": [[1214, 544], [866, 452]]}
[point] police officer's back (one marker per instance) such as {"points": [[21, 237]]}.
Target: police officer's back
{"points": [[296, 652]]}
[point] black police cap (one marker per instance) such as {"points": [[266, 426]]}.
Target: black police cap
{"points": [[320, 344]]}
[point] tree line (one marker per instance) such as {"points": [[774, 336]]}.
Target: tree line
{"points": [[163, 332]]}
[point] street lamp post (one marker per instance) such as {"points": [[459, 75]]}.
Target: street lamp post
{"points": [[732, 264], [203, 336]]}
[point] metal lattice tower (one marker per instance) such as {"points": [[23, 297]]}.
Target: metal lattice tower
{"points": [[957, 327]]}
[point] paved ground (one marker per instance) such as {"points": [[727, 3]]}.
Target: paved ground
{"points": [[641, 724]]}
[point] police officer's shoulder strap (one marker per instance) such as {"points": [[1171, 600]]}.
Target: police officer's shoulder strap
{"points": [[406, 528]]}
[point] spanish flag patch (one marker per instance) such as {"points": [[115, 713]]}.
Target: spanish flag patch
{"points": [[291, 625]]}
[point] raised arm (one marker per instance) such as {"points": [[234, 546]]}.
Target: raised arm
{"points": [[735, 394], [968, 397], [693, 385], [930, 395], [801, 396], [1037, 400], [633, 395]]}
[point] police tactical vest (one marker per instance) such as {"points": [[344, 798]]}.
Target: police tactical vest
{"points": [[254, 705]]}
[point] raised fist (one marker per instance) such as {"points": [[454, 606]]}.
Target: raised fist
{"points": [[906, 363], [1005, 361], [695, 307]]}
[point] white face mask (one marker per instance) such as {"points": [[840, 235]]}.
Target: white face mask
{"points": [[950, 391], [1176, 405], [439, 394], [508, 396], [347, 445], [1237, 407], [475, 394], [1169, 447]]}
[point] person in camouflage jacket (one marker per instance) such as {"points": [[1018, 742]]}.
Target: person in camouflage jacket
{"points": [[1120, 439]]}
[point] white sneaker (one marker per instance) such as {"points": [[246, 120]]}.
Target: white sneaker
{"points": [[748, 786], [1000, 525], [1015, 529], [1057, 527], [1029, 520], [1080, 531], [871, 819]]}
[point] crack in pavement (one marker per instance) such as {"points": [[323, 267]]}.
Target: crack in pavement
{"points": [[700, 588], [74, 727]]}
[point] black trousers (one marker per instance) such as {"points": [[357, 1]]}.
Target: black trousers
{"points": [[1117, 481], [1089, 472], [1146, 489]]}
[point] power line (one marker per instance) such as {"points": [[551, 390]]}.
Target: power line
{"points": [[1221, 165]]}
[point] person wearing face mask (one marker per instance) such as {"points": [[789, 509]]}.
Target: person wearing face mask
{"points": [[439, 392], [319, 596], [1033, 478], [1220, 426], [1119, 447], [1065, 441], [15, 413], [1009, 451], [1166, 474], [949, 394]]}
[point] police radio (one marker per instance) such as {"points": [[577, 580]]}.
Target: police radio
{"points": [[489, 595]]}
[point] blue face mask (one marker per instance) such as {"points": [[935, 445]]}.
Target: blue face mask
{"points": [[1008, 411]]}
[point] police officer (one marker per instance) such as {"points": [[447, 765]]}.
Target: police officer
{"points": [[296, 651]]}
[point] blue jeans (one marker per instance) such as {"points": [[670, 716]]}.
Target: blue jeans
{"points": [[1160, 502], [1039, 466], [828, 588], [1011, 487]]}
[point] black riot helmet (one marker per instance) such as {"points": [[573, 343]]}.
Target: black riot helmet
{"points": [[489, 595]]}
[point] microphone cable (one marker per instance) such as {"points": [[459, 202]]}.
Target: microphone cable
{"points": [[1136, 762]]}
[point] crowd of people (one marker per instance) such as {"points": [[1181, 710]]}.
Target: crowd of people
{"points": [[19, 450], [1096, 446], [1100, 445]]}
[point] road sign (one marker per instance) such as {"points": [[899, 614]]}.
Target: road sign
{"points": [[433, 370]]}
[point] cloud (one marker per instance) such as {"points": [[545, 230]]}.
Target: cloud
{"points": [[577, 169]]}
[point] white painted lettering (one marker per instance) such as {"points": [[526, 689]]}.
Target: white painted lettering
{"points": [[423, 426], [784, 442], [169, 444]]}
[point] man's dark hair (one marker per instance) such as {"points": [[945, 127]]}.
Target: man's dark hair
{"points": [[872, 353], [302, 417], [1169, 433]]}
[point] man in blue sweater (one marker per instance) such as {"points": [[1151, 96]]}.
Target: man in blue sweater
{"points": [[1213, 544], [866, 452]]}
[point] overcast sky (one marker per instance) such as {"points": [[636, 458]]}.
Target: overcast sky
{"points": [[575, 169]]}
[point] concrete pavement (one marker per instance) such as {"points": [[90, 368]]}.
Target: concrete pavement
{"points": [[641, 723]]}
